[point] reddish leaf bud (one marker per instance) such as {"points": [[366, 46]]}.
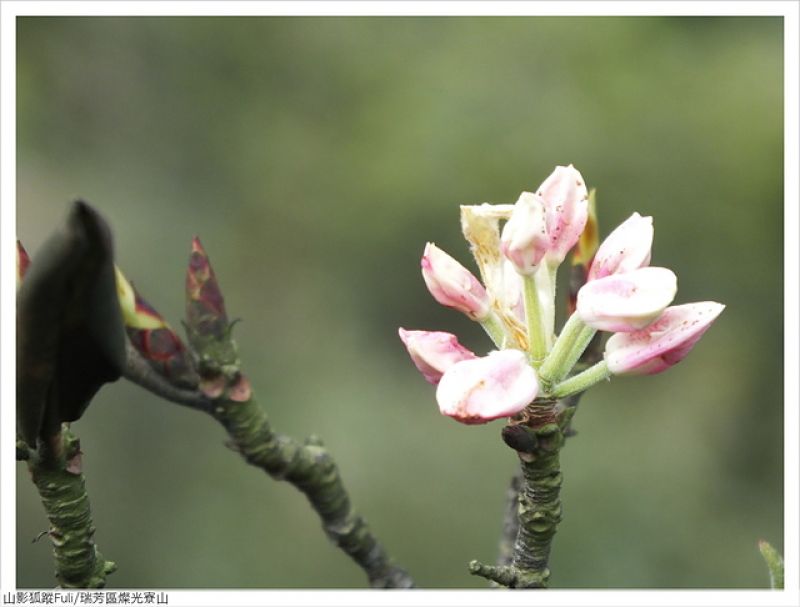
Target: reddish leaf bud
{"points": [[153, 338], [205, 306]]}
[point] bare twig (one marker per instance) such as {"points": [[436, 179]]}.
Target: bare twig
{"points": [[140, 372]]}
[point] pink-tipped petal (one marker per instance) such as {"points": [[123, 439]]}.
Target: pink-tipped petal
{"points": [[627, 248], [662, 344], [567, 208], [626, 302], [452, 285], [525, 241], [480, 390], [434, 352]]}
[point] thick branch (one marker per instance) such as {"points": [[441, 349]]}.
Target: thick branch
{"points": [[539, 515], [311, 469], [56, 472], [537, 438]]}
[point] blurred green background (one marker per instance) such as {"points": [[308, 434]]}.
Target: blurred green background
{"points": [[315, 157]]}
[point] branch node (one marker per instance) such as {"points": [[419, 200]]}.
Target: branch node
{"points": [[503, 575]]}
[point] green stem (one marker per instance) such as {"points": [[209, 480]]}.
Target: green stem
{"points": [[494, 329], [569, 346], [774, 564], [550, 309], [574, 354], [58, 478], [582, 381], [533, 313]]}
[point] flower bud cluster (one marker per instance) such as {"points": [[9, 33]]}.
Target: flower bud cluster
{"points": [[622, 295]]}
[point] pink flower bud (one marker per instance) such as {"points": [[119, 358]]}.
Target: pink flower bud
{"points": [[626, 302], [482, 389], [524, 241], [662, 344], [452, 285], [566, 205], [23, 261], [434, 352], [627, 248]]}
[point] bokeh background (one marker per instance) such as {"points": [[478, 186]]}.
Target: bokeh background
{"points": [[315, 157]]}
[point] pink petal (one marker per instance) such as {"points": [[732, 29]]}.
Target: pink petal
{"points": [[476, 391], [452, 285], [567, 208], [626, 302], [525, 241], [664, 343], [434, 352], [627, 248]]}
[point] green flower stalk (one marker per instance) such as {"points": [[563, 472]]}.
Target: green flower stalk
{"points": [[524, 242]]}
